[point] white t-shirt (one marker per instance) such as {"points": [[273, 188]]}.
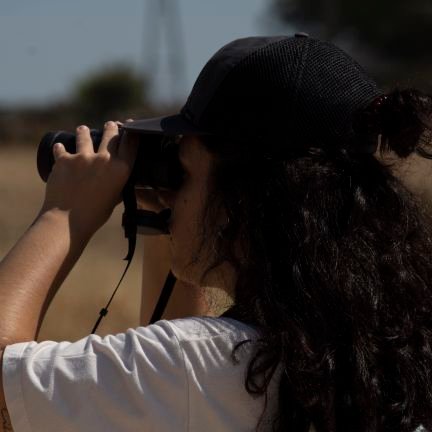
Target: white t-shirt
{"points": [[170, 376]]}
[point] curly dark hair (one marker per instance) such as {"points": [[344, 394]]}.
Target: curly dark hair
{"points": [[335, 269]]}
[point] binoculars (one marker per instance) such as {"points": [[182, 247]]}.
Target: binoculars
{"points": [[156, 166]]}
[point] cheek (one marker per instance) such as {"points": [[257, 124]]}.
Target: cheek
{"points": [[183, 222], [186, 227], [187, 207], [181, 213]]}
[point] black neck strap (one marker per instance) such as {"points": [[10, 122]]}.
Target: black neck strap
{"points": [[152, 223]]}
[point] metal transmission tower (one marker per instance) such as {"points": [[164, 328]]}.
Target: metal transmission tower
{"points": [[164, 43]]}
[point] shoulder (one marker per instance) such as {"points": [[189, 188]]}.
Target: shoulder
{"points": [[201, 328], [209, 343], [164, 333]]}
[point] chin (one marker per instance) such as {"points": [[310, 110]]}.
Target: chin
{"points": [[184, 275], [177, 269]]}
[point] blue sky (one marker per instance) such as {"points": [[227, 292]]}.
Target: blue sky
{"points": [[47, 45]]}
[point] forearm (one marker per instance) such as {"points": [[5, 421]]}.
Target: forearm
{"points": [[29, 277], [31, 273]]}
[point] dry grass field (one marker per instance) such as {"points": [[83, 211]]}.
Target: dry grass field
{"points": [[90, 284]]}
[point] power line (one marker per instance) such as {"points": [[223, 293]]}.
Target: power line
{"points": [[163, 36]]}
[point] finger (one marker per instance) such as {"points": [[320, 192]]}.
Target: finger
{"points": [[84, 143], [58, 150], [109, 138], [129, 120]]}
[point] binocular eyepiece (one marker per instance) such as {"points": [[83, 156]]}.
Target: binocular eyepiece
{"points": [[156, 166]]}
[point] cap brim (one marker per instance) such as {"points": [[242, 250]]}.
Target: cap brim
{"points": [[167, 125]]}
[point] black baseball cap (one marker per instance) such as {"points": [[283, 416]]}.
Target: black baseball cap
{"points": [[272, 87]]}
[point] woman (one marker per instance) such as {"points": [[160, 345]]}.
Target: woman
{"points": [[284, 206]]}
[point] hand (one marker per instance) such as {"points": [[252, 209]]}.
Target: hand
{"points": [[86, 186]]}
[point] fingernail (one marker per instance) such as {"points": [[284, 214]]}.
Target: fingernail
{"points": [[109, 124], [82, 127]]}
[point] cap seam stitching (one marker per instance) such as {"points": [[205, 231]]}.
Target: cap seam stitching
{"points": [[300, 69]]}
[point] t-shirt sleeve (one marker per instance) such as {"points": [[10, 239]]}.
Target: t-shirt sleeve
{"points": [[127, 382]]}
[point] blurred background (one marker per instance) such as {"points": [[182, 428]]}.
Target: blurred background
{"points": [[68, 63]]}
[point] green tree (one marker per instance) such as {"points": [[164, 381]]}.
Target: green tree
{"points": [[112, 92], [391, 38]]}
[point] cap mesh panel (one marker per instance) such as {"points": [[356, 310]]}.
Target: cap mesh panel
{"points": [[301, 88]]}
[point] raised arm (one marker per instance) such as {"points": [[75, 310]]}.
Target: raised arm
{"points": [[81, 193]]}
